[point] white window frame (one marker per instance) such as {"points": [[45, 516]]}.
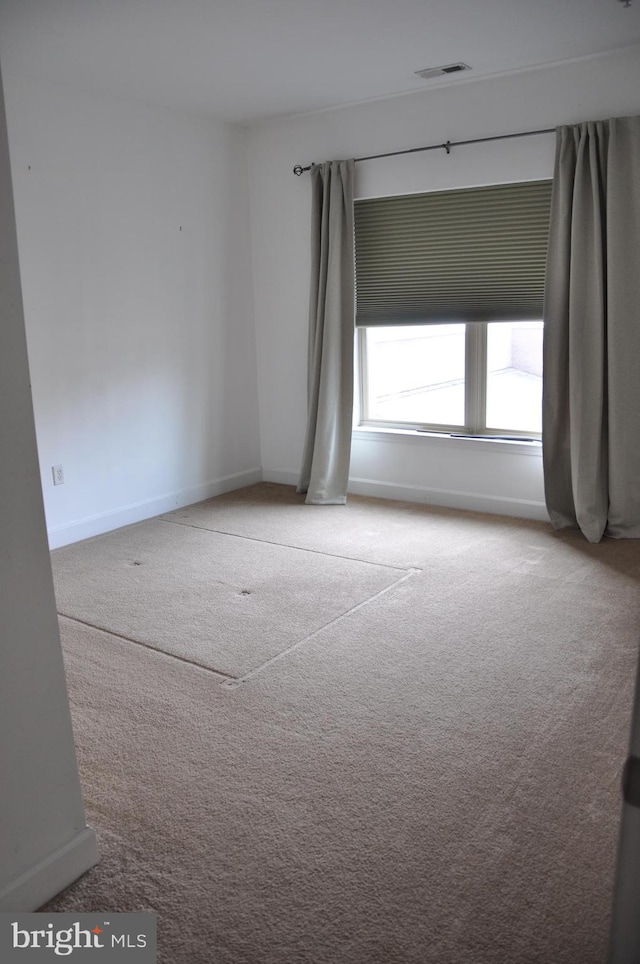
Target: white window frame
{"points": [[475, 393]]}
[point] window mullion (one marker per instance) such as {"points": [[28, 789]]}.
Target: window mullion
{"points": [[482, 376], [475, 377], [363, 373]]}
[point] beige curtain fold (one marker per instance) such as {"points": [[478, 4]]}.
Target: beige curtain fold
{"points": [[591, 381], [327, 450]]}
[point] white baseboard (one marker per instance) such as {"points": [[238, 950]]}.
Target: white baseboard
{"points": [[447, 498], [50, 875], [126, 515], [451, 499]]}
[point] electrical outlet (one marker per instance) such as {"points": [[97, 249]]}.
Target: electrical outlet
{"points": [[58, 474]]}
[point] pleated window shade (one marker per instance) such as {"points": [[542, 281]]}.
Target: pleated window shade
{"points": [[477, 254]]}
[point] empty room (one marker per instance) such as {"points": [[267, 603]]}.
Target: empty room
{"points": [[319, 461]]}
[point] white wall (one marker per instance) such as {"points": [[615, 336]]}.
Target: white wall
{"points": [[496, 476], [134, 248], [44, 841]]}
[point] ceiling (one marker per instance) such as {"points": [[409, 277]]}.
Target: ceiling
{"points": [[241, 60]]}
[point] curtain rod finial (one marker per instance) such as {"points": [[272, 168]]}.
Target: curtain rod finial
{"points": [[298, 169]]}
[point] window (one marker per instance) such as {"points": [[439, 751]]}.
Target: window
{"points": [[449, 307], [476, 379]]}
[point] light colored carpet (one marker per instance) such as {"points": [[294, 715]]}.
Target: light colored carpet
{"points": [[407, 535], [222, 601], [433, 777]]}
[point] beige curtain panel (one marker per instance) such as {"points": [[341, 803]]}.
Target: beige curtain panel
{"points": [[591, 391], [327, 451]]}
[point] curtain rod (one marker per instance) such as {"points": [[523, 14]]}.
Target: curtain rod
{"points": [[298, 169]]}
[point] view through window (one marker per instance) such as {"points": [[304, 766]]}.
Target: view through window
{"points": [[480, 378]]}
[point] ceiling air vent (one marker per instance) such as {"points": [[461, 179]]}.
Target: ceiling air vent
{"points": [[430, 72]]}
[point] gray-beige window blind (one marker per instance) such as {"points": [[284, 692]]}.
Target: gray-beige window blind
{"points": [[476, 254]]}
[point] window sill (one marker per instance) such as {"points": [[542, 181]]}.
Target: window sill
{"points": [[436, 440]]}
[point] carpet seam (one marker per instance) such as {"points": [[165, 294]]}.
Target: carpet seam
{"points": [[285, 545], [154, 649], [235, 682]]}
